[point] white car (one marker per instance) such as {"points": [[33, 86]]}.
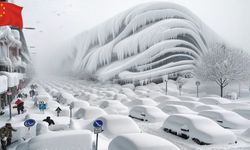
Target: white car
{"points": [[147, 113], [244, 112], [140, 141], [214, 100], [190, 104], [114, 107], [207, 107], [227, 119], [200, 129], [142, 101], [90, 112], [114, 125], [177, 109], [164, 98], [188, 98]]}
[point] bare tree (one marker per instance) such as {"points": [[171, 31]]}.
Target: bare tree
{"points": [[223, 65]]}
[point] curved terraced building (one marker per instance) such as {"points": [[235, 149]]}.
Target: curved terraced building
{"points": [[143, 43]]}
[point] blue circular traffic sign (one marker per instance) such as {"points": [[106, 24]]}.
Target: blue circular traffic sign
{"points": [[98, 124], [29, 123]]}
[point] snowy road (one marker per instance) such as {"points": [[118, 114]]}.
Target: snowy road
{"points": [[93, 93]]}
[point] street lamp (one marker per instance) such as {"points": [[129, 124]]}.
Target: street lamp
{"points": [[197, 83], [165, 78], [9, 98], [70, 109]]}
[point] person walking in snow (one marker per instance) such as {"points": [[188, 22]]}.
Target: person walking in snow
{"points": [[19, 105], [49, 121], [32, 93], [6, 135]]}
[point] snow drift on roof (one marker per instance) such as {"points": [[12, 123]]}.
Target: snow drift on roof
{"points": [[142, 43]]}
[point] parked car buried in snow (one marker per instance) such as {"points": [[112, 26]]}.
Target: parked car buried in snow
{"points": [[140, 141], [227, 119], [200, 129], [214, 100], [114, 107], [147, 113], [177, 109], [114, 125]]}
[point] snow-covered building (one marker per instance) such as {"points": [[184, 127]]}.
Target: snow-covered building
{"points": [[143, 43], [14, 55], [14, 62]]}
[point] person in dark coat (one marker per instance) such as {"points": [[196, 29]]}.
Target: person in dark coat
{"points": [[49, 121], [32, 93], [6, 135]]}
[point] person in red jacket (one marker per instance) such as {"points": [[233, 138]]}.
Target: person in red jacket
{"points": [[19, 105]]}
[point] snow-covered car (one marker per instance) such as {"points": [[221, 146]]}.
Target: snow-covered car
{"points": [[147, 113], [214, 100], [89, 113], [244, 112], [142, 101], [190, 104], [188, 98], [63, 140], [114, 125], [79, 104], [177, 109], [226, 119], [200, 129], [164, 98], [140, 141], [207, 107], [114, 107], [246, 135]]}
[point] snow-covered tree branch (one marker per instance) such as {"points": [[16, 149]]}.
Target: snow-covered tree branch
{"points": [[223, 65]]}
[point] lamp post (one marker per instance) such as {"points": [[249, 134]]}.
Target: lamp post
{"points": [[197, 83], [165, 78], [9, 93], [70, 109]]}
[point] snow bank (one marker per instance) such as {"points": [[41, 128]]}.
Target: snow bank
{"points": [[63, 140], [114, 125], [140, 141]]}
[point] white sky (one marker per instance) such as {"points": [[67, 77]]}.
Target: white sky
{"points": [[57, 21]]}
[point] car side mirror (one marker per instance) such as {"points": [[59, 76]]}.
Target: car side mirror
{"points": [[219, 121]]}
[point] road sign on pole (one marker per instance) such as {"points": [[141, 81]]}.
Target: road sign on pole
{"points": [[98, 124], [97, 129], [29, 123], [58, 110]]}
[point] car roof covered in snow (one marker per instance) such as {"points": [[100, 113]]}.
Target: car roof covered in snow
{"points": [[140, 141]]}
